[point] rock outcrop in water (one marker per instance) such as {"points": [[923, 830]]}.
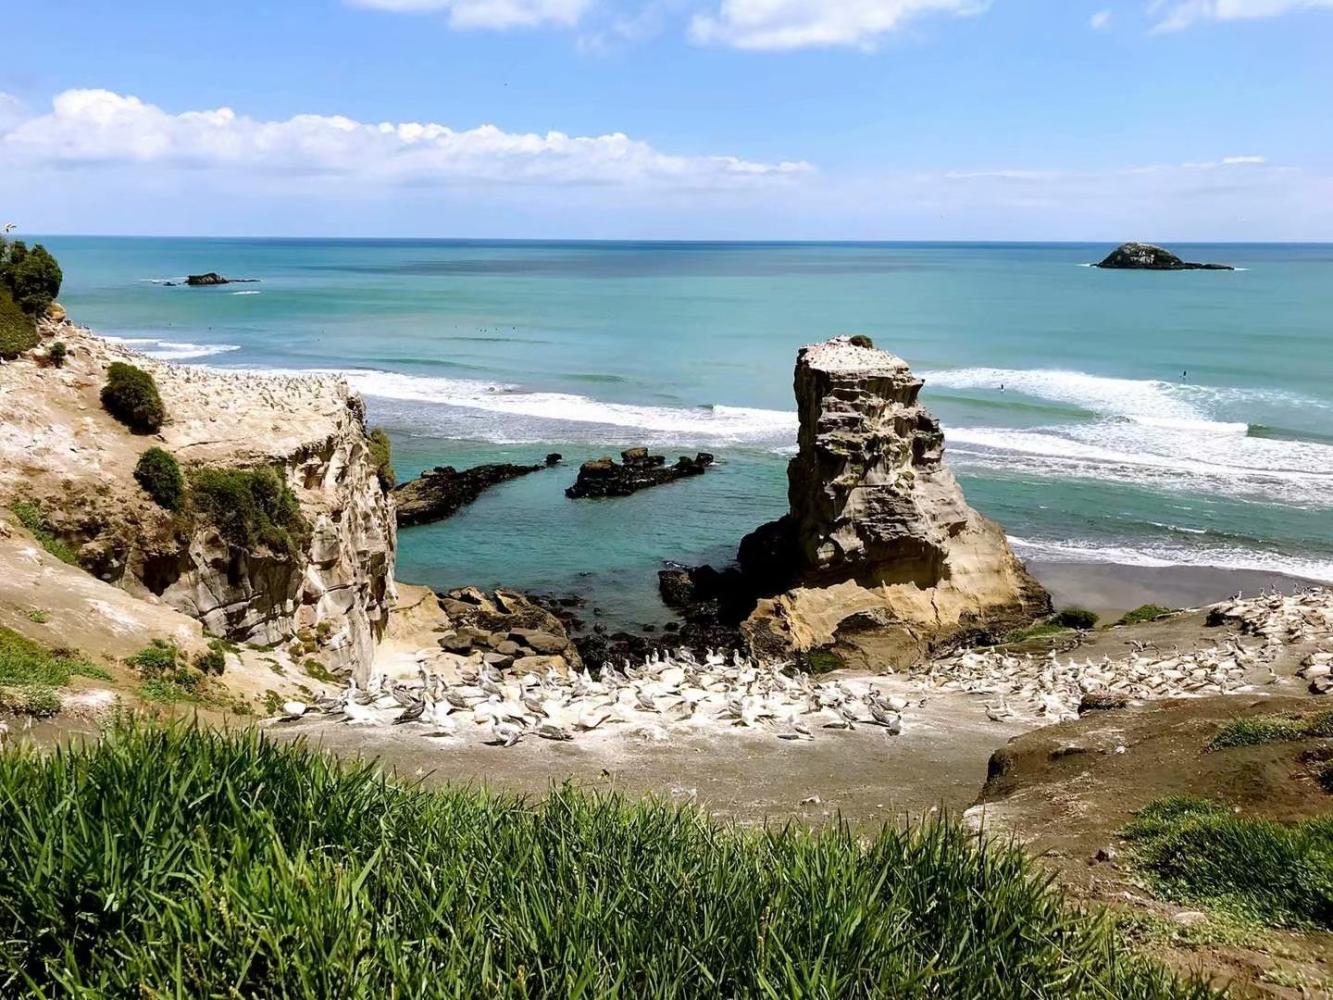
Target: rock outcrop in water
{"points": [[67, 458], [441, 492], [638, 470], [209, 279], [880, 552], [1146, 257]]}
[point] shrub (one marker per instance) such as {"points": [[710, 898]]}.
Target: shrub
{"points": [[33, 279], [160, 476], [1144, 613], [861, 340], [214, 661], [159, 657], [251, 508], [1200, 852], [1079, 618], [381, 456], [1039, 630], [239, 866], [31, 517], [130, 395], [18, 333], [57, 353]]}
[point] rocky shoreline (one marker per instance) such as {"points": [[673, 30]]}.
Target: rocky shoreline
{"points": [[441, 492]]}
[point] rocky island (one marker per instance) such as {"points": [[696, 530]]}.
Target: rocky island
{"points": [[209, 279], [441, 492], [638, 470], [1146, 257]]}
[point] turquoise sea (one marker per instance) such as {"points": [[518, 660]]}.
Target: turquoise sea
{"points": [[1180, 418]]}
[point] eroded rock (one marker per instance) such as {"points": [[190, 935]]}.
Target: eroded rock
{"points": [[441, 492], [637, 470], [880, 551]]}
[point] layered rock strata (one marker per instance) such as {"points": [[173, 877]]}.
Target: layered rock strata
{"points": [[880, 553], [638, 470], [441, 492], [67, 458]]}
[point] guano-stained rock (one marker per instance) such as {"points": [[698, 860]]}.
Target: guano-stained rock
{"points": [[880, 551]]}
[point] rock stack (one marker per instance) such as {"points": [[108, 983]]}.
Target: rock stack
{"points": [[440, 492], [880, 552]]}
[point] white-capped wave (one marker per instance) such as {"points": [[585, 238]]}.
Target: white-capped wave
{"points": [[248, 291], [1297, 473], [719, 423], [1222, 557], [172, 350]]}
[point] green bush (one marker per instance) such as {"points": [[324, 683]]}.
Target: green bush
{"points": [[251, 508], [160, 476], [1144, 613], [1079, 618], [214, 661], [159, 657], [130, 395], [188, 862], [18, 333], [57, 353], [31, 517], [33, 278], [381, 456], [1039, 630], [1199, 852]]}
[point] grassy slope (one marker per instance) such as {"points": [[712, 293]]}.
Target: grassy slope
{"points": [[174, 861]]}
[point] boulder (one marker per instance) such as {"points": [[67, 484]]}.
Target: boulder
{"points": [[637, 470], [441, 492], [213, 278], [879, 537], [1146, 257], [508, 623]]}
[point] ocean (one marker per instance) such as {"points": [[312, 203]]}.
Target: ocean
{"points": [[1101, 416]]}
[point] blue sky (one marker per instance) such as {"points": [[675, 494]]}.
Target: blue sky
{"points": [[854, 119]]}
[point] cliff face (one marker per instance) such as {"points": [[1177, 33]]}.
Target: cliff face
{"points": [[64, 455], [880, 552]]}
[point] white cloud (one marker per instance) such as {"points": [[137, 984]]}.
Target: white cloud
{"points": [[489, 13], [11, 111], [101, 127], [795, 24], [1174, 15], [1101, 20]]}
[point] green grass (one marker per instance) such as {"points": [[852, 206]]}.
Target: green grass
{"points": [[39, 617], [169, 691], [181, 862], [24, 663], [31, 517], [316, 670], [1201, 853], [35, 700], [1144, 613], [1041, 630], [1260, 729]]}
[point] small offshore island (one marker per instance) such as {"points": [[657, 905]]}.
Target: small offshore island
{"points": [[220, 547], [1146, 257]]}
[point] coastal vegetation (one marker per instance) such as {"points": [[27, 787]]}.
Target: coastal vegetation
{"points": [[1260, 729], [18, 333], [1076, 618], [250, 508], [31, 277], [30, 515], [130, 395], [179, 861], [381, 456], [160, 476], [167, 675], [31, 674], [1202, 853], [1143, 613]]}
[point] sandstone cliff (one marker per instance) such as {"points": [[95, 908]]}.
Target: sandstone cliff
{"points": [[66, 457], [880, 553]]}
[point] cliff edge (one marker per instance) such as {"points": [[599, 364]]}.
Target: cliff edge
{"points": [[67, 460], [880, 552]]}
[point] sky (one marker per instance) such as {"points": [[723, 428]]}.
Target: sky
{"points": [[1185, 120]]}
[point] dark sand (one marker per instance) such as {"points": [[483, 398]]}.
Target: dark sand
{"points": [[1111, 589]]}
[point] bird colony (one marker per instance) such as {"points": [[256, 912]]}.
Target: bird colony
{"points": [[1054, 688], [677, 690], [666, 691]]}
